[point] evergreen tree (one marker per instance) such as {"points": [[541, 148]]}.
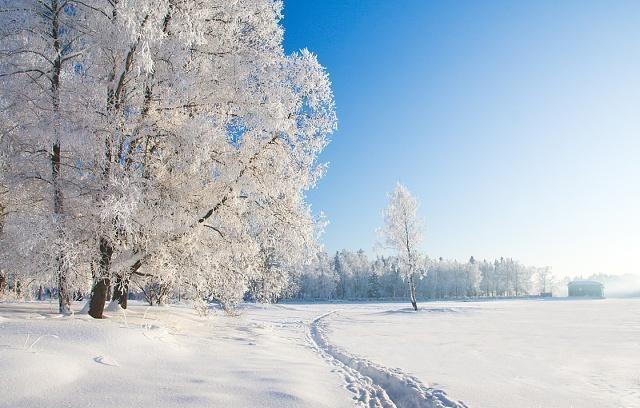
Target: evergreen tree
{"points": [[373, 288]]}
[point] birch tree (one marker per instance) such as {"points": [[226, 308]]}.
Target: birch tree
{"points": [[402, 232], [41, 43]]}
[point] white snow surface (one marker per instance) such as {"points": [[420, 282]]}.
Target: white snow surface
{"points": [[376, 385], [524, 353], [573, 353], [163, 357]]}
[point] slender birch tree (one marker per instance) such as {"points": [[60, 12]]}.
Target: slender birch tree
{"points": [[41, 42], [402, 232]]}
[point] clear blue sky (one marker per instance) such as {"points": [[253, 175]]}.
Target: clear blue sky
{"points": [[516, 124]]}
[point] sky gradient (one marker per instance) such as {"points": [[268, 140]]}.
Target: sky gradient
{"points": [[517, 126]]}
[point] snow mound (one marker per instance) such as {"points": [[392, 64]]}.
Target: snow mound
{"points": [[409, 310], [114, 306], [85, 308]]}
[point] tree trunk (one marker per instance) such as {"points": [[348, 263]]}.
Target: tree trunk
{"points": [[3, 279], [56, 158], [99, 292], [98, 298], [412, 292], [64, 298]]}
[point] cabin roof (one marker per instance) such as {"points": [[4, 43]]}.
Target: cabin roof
{"points": [[585, 283]]}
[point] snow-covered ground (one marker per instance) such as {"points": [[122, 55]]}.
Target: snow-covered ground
{"points": [[162, 357], [531, 353]]}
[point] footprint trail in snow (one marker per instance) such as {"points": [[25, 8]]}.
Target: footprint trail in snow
{"points": [[376, 386]]}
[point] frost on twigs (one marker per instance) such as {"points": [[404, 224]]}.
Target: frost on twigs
{"points": [[201, 307]]}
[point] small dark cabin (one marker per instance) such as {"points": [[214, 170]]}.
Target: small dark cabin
{"points": [[586, 288]]}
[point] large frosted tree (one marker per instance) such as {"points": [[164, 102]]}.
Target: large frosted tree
{"points": [[402, 232], [190, 138]]}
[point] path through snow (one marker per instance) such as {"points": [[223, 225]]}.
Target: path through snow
{"points": [[375, 385]]}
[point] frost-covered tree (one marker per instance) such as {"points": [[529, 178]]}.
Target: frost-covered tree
{"points": [[319, 280], [190, 138], [373, 287], [544, 279], [353, 270], [41, 43], [217, 159], [391, 282], [402, 232]]}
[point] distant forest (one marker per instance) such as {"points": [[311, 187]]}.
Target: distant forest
{"points": [[350, 275]]}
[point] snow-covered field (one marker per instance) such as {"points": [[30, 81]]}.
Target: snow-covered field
{"points": [[557, 353], [449, 354]]}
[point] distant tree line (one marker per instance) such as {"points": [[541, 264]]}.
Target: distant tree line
{"points": [[352, 275]]}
